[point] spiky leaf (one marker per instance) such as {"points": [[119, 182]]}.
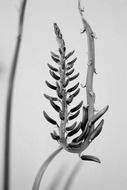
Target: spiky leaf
{"points": [[74, 77], [55, 106], [76, 92], [55, 136], [69, 54], [50, 97], [76, 107], [70, 99], [56, 77], [72, 62], [58, 91], [84, 134], [55, 59], [75, 130], [70, 72], [70, 66], [54, 54], [73, 88], [71, 127], [74, 115], [50, 85], [84, 118], [49, 119], [52, 68]]}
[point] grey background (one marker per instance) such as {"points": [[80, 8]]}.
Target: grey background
{"points": [[31, 142]]}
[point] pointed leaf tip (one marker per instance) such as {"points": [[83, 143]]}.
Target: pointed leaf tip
{"points": [[74, 131], [56, 77], [55, 59], [69, 54], [73, 88], [52, 68], [74, 115], [55, 136], [74, 77], [70, 72], [76, 107], [54, 54], [50, 85], [55, 106], [49, 119], [72, 62]]}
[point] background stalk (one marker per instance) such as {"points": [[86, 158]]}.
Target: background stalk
{"points": [[72, 176], [7, 143]]}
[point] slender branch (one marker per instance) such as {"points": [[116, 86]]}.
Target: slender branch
{"points": [[91, 63], [43, 169], [9, 100]]}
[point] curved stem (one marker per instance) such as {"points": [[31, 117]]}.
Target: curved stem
{"points": [[9, 100], [43, 169]]}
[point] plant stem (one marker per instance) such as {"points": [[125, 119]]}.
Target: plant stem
{"points": [[43, 169], [91, 65], [7, 143], [62, 72]]}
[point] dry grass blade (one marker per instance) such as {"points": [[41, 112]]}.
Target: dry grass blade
{"points": [[10, 96], [43, 169]]}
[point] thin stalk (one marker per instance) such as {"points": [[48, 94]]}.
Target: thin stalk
{"points": [[91, 64], [43, 168], [7, 143]]}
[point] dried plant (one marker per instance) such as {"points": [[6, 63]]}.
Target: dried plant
{"points": [[75, 137]]}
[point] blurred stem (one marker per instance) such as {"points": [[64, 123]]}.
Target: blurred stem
{"points": [[58, 177], [43, 169], [7, 143], [73, 174]]}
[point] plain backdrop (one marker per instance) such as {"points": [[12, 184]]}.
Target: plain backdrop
{"points": [[30, 136]]}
